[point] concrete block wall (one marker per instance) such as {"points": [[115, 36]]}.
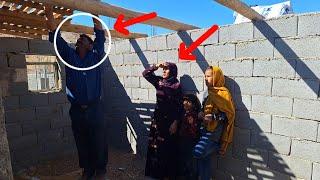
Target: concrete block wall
{"points": [[272, 69], [38, 124]]}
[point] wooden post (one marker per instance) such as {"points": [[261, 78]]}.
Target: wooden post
{"points": [[100, 8], [241, 8], [5, 160]]}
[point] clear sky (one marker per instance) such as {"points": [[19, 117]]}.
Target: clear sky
{"points": [[201, 13]]}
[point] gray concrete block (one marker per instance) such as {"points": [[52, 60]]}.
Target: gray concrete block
{"points": [[57, 98], [137, 70], [316, 171], [20, 115], [35, 126], [32, 100], [308, 24], [150, 56], [305, 89], [242, 102], [145, 84], [18, 88], [306, 109], [274, 68], [15, 45], [254, 49], [273, 105], [198, 69], [258, 172], [306, 150], [17, 60], [18, 75], [50, 136], [157, 43], [14, 130], [238, 32], [3, 61], [130, 59], [112, 49], [237, 68], [138, 45], [284, 26], [60, 123], [291, 166], [272, 142], [47, 112], [297, 128], [195, 34], [116, 60], [228, 164], [152, 95], [122, 46], [254, 85], [41, 47], [220, 52], [293, 48], [258, 122], [173, 41], [132, 82], [123, 70], [184, 68], [168, 56], [11, 102], [309, 69], [23, 142]]}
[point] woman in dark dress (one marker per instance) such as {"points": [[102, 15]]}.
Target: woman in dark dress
{"points": [[163, 146]]}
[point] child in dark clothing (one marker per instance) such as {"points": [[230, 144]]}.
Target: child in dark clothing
{"points": [[188, 137]]}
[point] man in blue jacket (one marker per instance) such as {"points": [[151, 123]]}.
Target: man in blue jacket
{"points": [[84, 93]]}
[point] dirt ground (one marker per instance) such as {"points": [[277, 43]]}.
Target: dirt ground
{"points": [[121, 166]]}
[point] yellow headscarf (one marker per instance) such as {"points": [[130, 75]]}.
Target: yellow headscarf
{"points": [[220, 99]]}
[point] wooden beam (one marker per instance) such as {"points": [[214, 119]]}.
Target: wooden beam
{"points": [[40, 6], [40, 23], [21, 34], [23, 29], [96, 7], [242, 9]]}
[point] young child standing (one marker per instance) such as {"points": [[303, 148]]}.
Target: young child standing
{"points": [[188, 137], [218, 116]]}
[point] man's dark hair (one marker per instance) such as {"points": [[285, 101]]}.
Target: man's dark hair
{"points": [[88, 38]]}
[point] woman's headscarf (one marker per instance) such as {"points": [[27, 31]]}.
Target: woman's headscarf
{"points": [[221, 99], [171, 81]]}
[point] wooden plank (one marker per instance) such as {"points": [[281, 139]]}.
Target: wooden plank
{"points": [[40, 22], [241, 8], [40, 6], [21, 34], [23, 29], [96, 7]]}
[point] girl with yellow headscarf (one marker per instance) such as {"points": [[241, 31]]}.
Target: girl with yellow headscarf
{"points": [[218, 121]]}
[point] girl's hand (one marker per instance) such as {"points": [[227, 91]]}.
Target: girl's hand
{"points": [[160, 65], [207, 118], [173, 128]]}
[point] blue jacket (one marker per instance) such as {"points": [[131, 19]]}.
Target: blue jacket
{"points": [[83, 87]]}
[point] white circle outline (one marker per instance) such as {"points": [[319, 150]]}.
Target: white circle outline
{"points": [[86, 68]]}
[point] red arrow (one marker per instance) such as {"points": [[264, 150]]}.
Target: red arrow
{"points": [[121, 25], [186, 53]]}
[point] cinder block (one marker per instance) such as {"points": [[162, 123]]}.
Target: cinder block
{"points": [[17, 60], [13, 130], [256, 157], [242, 102], [60, 123], [124, 70], [284, 26], [220, 52], [34, 100], [184, 69], [50, 136], [273, 105], [131, 59], [145, 84], [152, 95], [305, 89], [151, 57], [237, 68], [195, 34], [137, 70], [18, 75], [257, 122], [229, 164], [57, 98], [11, 102], [157, 43], [112, 48], [3, 61], [274, 68], [18, 88], [307, 150], [258, 172], [237, 32], [132, 82], [198, 69], [41, 47], [272, 142], [308, 24], [293, 48], [168, 56], [19, 115], [47, 112], [308, 69], [116, 60], [291, 166], [15, 45], [254, 85], [173, 41], [316, 171], [306, 109], [298, 128], [122, 46], [143, 94], [138, 45], [23, 142], [254, 49]]}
